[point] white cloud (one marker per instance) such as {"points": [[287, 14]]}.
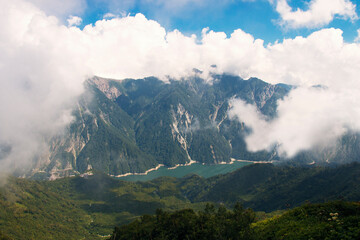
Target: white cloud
{"points": [[111, 15], [357, 38], [319, 14], [307, 118], [74, 21], [41, 75], [43, 65]]}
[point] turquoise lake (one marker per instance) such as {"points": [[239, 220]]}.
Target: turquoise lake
{"points": [[205, 171]]}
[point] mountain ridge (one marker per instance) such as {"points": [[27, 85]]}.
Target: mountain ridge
{"points": [[135, 125], [131, 126]]}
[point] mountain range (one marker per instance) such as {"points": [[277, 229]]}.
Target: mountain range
{"points": [[130, 126], [134, 125]]}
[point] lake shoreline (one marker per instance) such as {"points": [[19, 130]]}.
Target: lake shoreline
{"points": [[139, 174], [232, 161]]}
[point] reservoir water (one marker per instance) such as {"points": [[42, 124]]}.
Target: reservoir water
{"points": [[205, 171]]}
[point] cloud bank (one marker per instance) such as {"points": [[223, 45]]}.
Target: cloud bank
{"points": [[308, 118], [44, 64], [41, 77]]}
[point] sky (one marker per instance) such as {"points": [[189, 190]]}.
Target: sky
{"points": [[50, 47], [269, 20]]}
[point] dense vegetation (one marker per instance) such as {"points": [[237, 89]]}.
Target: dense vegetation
{"points": [[30, 210], [4, 237], [267, 187], [77, 208], [210, 224], [332, 220], [89, 207]]}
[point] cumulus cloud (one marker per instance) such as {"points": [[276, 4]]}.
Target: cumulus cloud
{"points": [[74, 21], [308, 118], [44, 63], [357, 38], [40, 78], [318, 14]]}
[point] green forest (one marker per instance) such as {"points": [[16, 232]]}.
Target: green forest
{"points": [[332, 220]]}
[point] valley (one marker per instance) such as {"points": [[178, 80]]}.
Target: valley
{"points": [[89, 207], [179, 120], [136, 146]]}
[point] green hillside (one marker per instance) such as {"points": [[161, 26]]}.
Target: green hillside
{"points": [[332, 220], [89, 207], [30, 210], [209, 224]]}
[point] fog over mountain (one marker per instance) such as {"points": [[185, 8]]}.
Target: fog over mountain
{"points": [[44, 64]]}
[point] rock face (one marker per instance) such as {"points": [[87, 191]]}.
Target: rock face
{"points": [[106, 87]]}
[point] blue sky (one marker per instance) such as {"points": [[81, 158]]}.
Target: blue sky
{"points": [[258, 17]]}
